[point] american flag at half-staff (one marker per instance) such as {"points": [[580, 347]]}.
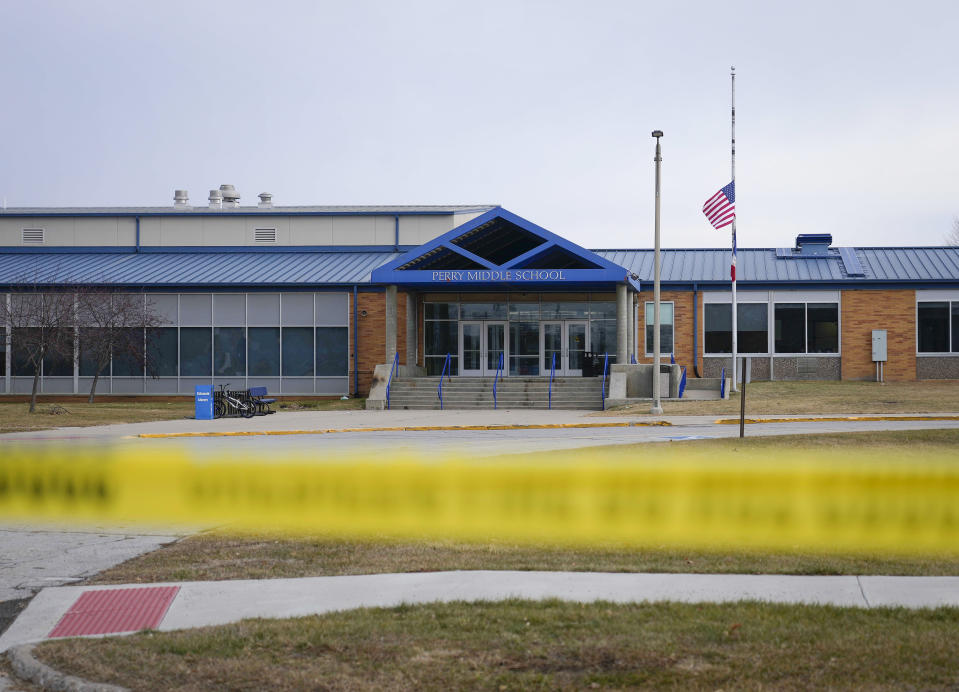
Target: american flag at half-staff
{"points": [[720, 209]]}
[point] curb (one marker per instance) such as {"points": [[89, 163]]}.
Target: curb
{"points": [[831, 419], [29, 668], [411, 428]]}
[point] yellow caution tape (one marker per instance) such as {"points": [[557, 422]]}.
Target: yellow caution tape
{"points": [[787, 503]]}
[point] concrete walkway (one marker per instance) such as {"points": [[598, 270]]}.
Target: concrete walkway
{"points": [[199, 604]]}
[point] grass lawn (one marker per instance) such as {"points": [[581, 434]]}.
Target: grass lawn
{"points": [[220, 555], [543, 645], [763, 398], [62, 411]]}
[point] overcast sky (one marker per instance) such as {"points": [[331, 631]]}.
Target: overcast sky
{"points": [[847, 112]]}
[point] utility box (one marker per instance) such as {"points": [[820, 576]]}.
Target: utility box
{"points": [[879, 345], [203, 402]]}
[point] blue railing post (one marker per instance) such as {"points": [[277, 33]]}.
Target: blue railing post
{"points": [[552, 373], [682, 383], [439, 390], [722, 384], [499, 369], [389, 382], [605, 369]]}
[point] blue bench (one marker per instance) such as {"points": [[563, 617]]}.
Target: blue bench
{"points": [[258, 395]]}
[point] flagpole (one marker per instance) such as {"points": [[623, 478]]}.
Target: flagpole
{"points": [[732, 265]]}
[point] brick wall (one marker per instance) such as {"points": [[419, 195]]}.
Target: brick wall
{"points": [[682, 326], [892, 310], [371, 333]]}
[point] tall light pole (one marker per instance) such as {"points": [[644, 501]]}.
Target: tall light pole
{"points": [[657, 409]]}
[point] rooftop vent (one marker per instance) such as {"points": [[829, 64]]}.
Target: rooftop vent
{"points": [[181, 199], [231, 198], [216, 199], [813, 244], [266, 200]]}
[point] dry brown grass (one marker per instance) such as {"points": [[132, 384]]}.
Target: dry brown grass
{"points": [[820, 398], [62, 411], [542, 645]]}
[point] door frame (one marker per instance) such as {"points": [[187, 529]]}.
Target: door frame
{"points": [[483, 370], [562, 363]]}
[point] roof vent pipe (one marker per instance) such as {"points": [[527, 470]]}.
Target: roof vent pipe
{"points": [[181, 199], [266, 200], [231, 198], [216, 199]]}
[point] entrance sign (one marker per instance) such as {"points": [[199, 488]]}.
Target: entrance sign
{"points": [[499, 247]]}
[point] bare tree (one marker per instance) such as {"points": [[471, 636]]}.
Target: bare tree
{"points": [[952, 237], [113, 325], [42, 328]]}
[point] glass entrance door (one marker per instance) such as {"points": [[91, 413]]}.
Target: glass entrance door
{"points": [[551, 347], [575, 348], [495, 346], [481, 344], [566, 340]]}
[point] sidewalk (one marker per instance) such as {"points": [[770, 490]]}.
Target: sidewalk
{"points": [[121, 609], [313, 422]]}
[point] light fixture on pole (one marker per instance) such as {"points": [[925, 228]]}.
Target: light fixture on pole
{"points": [[657, 409]]}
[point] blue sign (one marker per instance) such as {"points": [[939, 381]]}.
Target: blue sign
{"points": [[203, 400]]}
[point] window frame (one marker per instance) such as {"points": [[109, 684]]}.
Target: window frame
{"points": [[647, 347], [952, 302], [760, 354], [806, 302]]}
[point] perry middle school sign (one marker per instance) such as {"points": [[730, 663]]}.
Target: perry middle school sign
{"points": [[498, 248]]}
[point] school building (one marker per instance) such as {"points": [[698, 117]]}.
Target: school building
{"points": [[309, 300]]}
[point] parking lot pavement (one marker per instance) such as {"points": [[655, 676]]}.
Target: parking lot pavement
{"points": [[34, 557]]}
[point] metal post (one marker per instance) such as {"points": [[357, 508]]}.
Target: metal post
{"points": [[742, 403], [657, 408], [735, 311]]}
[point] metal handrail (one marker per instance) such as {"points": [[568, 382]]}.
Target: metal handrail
{"points": [[499, 369], [389, 382], [682, 383], [439, 389], [552, 374], [722, 384], [605, 370]]}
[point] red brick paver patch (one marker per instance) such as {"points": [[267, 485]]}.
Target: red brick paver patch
{"points": [[116, 610]]}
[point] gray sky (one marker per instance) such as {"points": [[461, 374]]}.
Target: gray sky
{"points": [[847, 112]]}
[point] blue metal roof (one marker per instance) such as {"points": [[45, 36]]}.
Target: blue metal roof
{"points": [[762, 265], [309, 266], [191, 268]]}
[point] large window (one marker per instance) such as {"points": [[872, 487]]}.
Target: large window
{"points": [[440, 337], [196, 352], [752, 331], [264, 351], [806, 327], [332, 351], [128, 353], [161, 351], [229, 352], [938, 326], [297, 352], [524, 348], [665, 327]]}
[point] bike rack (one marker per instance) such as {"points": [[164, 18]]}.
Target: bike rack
{"points": [[389, 382], [552, 373], [605, 370], [499, 370], [439, 389]]}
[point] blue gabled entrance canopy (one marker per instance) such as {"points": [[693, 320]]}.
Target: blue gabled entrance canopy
{"points": [[501, 250]]}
